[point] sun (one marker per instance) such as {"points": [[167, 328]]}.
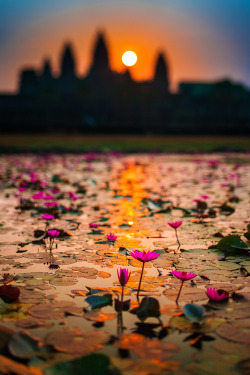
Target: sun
{"points": [[129, 58]]}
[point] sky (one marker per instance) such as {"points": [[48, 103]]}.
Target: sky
{"points": [[203, 40]]}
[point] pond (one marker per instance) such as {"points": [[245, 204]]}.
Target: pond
{"points": [[69, 224]]}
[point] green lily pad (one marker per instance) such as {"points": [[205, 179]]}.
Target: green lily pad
{"points": [[230, 244], [95, 302], [22, 345], [149, 307], [93, 364], [194, 312]]}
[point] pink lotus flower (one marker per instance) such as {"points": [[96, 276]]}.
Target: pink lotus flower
{"points": [[144, 256], [55, 191], [183, 275], [48, 196], [53, 233], [38, 195], [21, 188], [48, 217], [72, 195], [123, 276], [216, 295], [175, 224], [111, 237], [93, 225], [205, 196], [51, 204]]}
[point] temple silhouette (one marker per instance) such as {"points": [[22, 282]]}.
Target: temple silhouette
{"points": [[104, 101]]}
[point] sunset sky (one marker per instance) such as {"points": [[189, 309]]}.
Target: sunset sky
{"points": [[202, 39]]}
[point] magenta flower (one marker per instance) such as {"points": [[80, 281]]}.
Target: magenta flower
{"points": [[123, 276], [48, 217], [216, 295], [53, 233], [205, 196], [111, 237], [183, 276], [51, 204], [38, 195], [143, 257], [21, 188], [93, 225], [48, 196], [175, 225], [72, 195]]}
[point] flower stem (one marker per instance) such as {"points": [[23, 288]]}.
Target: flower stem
{"points": [[139, 287], [177, 298], [122, 294], [177, 237], [51, 243]]}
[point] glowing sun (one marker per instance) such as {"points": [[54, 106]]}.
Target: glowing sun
{"points": [[129, 58]]}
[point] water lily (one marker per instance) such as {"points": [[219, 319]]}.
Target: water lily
{"points": [[52, 235], [123, 276], [111, 237], [51, 204], [183, 276], [216, 295], [143, 257], [48, 217], [175, 225], [93, 225]]}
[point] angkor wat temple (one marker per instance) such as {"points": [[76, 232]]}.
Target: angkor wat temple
{"points": [[106, 101]]}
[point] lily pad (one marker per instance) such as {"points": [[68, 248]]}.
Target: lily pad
{"points": [[93, 364], [149, 307], [230, 244]]}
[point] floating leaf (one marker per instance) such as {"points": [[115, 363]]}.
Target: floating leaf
{"points": [[96, 302], [194, 312], [73, 341], [149, 307], [235, 331], [22, 345], [93, 364], [230, 244]]}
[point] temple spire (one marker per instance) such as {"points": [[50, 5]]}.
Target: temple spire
{"points": [[100, 67], [161, 76], [68, 65]]}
